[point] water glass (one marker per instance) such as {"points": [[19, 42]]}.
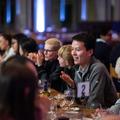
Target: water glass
{"points": [[40, 86], [70, 96]]}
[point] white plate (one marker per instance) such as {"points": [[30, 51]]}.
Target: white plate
{"points": [[75, 108], [71, 112], [80, 119], [87, 118]]}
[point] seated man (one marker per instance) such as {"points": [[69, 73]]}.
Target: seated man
{"points": [[92, 71]]}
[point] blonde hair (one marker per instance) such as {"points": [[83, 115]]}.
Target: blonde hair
{"points": [[56, 44], [65, 53]]}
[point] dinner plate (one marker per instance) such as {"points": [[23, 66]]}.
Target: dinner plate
{"points": [[75, 108], [85, 118], [72, 112]]}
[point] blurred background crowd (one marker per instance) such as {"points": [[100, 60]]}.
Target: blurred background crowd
{"points": [[45, 38]]}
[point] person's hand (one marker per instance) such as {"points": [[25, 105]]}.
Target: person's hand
{"points": [[99, 113], [33, 57], [40, 58], [67, 79], [37, 58]]}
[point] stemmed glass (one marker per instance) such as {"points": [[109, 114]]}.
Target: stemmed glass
{"points": [[70, 96]]}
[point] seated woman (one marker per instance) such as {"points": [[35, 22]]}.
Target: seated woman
{"points": [[46, 60], [66, 64], [17, 40], [18, 85]]}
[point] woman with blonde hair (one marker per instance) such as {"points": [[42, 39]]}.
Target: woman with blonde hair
{"points": [[64, 53], [66, 64]]}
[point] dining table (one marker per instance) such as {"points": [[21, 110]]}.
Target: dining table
{"points": [[63, 108]]}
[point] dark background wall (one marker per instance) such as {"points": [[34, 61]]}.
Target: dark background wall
{"points": [[99, 12]]}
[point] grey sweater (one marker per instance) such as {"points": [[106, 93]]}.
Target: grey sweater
{"points": [[102, 89]]}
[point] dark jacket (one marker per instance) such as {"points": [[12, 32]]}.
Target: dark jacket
{"points": [[56, 82], [48, 68], [102, 52]]}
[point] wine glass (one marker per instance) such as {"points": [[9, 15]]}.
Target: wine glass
{"points": [[70, 96], [40, 86]]}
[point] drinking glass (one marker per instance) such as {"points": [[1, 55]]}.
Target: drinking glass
{"points": [[70, 96], [40, 86]]}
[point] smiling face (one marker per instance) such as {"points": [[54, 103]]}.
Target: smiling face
{"points": [[49, 52], [80, 54], [62, 62]]}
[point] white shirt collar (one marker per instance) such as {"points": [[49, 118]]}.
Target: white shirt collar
{"points": [[100, 40]]}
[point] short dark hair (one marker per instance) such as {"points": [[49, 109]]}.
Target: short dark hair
{"points": [[7, 37], [87, 38], [19, 36], [104, 31], [29, 45]]}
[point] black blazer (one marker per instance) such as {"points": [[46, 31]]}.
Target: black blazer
{"points": [[102, 52], [56, 82]]}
